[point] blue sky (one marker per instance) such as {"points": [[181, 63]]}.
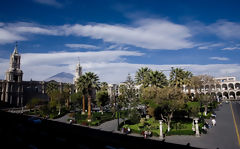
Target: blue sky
{"points": [[114, 38]]}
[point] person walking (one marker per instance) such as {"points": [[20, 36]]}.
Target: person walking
{"points": [[213, 122]]}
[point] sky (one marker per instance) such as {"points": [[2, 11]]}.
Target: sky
{"points": [[114, 38]]}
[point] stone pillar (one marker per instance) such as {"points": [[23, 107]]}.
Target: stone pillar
{"points": [[10, 99], [197, 129], [18, 100], [6, 97], [3, 91], [160, 129]]}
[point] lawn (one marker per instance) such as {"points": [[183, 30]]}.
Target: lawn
{"points": [[96, 120], [177, 128]]}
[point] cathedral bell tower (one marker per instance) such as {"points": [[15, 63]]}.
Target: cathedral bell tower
{"points": [[14, 73], [14, 87], [78, 73]]}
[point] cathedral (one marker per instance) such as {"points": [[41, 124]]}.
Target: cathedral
{"points": [[14, 92]]}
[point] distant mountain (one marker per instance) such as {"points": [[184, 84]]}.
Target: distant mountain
{"points": [[62, 77]]}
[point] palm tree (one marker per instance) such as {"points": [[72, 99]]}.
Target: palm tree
{"points": [[66, 93], [157, 79], [82, 88], [50, 88], [179, 77], [92, 84], [104, 86], [142, 76], [187, 80]]}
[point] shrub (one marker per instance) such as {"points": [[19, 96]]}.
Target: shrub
{"points": [[180, 132], [134, 117]]}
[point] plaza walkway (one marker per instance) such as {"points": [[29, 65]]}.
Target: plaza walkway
{"points": [[110, 125], [222, 136]]}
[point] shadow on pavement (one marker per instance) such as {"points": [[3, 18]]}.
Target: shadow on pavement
{"points": [[20, 131]]}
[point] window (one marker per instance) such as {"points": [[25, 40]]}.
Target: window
{"points": [[15, 78]]}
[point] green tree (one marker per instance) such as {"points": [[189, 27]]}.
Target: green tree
{"points": [[76, 99], [92, 84], [179, 77], [193, 108], [169, 100], [51, 88], [82, 87], [102, 98], [205, 99], [33, 103], [57, 101], [142, 76], [128, 97], [67, 88], [196, 84], [104, 86], [157, 79]]}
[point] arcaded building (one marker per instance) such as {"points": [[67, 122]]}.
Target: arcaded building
{"points": [[222, 88]]}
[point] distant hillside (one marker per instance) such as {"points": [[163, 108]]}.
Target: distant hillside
{"points": [[62, 77]]}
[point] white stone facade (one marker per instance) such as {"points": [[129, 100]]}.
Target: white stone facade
{"points": [[223, 87]]}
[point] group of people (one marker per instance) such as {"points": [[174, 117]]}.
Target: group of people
{"points": [[146, 134], [126, 130], [207, 125]]}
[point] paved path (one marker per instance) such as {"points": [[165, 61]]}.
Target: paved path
{"points": [[222, 136], [110, 125], [63, 119]]}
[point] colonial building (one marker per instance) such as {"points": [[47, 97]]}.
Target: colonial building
{"points": [[223, 88], [16, 92]]}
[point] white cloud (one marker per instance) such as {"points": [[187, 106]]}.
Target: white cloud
{"points": [[209, 46], [83, 46], [231, 48], [149, 34], [219, 58], [225, 29], [8, 37], [107, 64], [49, 2]]}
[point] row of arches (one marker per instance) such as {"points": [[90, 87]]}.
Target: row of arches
{"points": [[226, 95], [219, 87]]}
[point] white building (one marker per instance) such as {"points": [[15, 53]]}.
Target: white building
{"points": [[223, 87]]}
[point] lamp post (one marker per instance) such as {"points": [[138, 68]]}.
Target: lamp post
{"points": [[160, 129]]}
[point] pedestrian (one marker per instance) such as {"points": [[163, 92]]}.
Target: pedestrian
{"points": [[149, 133], [213, 122], [128, 130], [145, 134]]}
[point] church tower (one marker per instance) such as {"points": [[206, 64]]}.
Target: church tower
{"points": [[78, 73], [13, 87], [14, 73]]}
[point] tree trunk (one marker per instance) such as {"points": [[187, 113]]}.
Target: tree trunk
{"points": [[205, 110], [83, 105], [59, 110], [89, 107], [169, 121]]}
